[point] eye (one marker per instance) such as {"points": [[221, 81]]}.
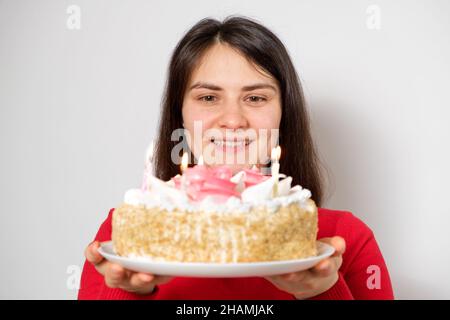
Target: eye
{"points": [[208, 98], [256, 99]]}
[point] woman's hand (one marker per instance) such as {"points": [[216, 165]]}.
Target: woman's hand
{"points": [[312, 282], [118, 277]]}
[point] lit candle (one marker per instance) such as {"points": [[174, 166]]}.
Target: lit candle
{"points": [[200, 160], [275, 156], [183, 167], [148, 169]]}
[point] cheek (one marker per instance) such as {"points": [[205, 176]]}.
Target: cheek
{"points": [[269, 122], [196, 121], [268, 118], [193, 114]]}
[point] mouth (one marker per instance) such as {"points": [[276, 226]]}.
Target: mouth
{"points": [[231, 145]]}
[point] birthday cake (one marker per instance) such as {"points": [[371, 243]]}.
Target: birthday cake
{"points": [[209, 215]]}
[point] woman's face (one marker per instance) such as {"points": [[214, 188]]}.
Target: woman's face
{"points": [[230, 109]]}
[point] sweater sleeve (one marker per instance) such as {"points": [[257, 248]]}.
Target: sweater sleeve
{"points": [[364, 269], [93, 287], [363, 274]]}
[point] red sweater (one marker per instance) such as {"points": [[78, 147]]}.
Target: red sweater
{"points": [[363, 274]]}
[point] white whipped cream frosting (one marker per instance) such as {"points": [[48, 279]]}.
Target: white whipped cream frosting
{"points": [[164, 195]]}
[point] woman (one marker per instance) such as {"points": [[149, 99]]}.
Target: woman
{"points": [[234, 76]]}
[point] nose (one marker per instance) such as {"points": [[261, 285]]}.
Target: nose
{"points": [[232, 117]]}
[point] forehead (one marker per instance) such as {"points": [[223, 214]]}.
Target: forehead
{"points": [[226, 66]]}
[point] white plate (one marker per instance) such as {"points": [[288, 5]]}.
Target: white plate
{"points": [[214, 270]]}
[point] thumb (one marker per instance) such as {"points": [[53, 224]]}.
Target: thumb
{"points": [[92, 254], [337, 242]]}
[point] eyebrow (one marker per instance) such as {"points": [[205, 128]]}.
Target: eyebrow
{"points": [[210, 86]]}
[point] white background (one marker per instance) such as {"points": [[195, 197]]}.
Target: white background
{"points": [[78, 108]]}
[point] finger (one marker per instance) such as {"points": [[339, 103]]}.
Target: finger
{"points": [[273, 279], [114, 275], [324, 268], [327, 267], [102, 267], [141, 280], [294, 276], [92, 254], [293, 282], [338, 262], [276, 281], [284, 279], [339, 245]]}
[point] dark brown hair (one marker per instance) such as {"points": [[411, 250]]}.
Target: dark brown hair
{"points": [[299, 159]]}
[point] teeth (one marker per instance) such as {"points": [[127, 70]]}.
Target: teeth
{"points": [[230, 144]]}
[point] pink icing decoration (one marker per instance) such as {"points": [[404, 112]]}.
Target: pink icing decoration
{"points": [[222, 172], [253, 177], [203, 181]]}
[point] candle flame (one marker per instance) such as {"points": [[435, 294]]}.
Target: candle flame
{"points": [[184, 162]]}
